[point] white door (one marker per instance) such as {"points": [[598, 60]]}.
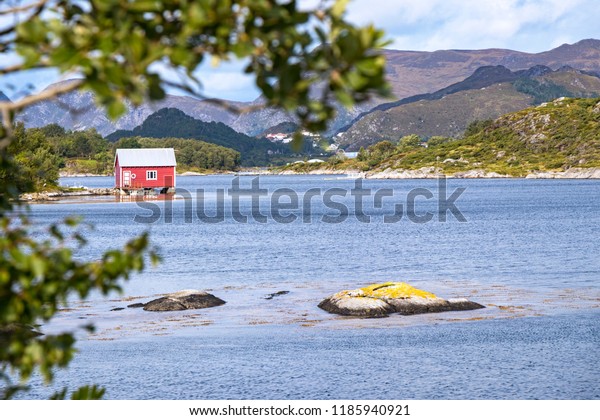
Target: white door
{"points": [[126, 178]]}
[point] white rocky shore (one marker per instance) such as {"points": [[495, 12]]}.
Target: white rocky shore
{"points": [[432, 172], [57, 195], [572, 173]]}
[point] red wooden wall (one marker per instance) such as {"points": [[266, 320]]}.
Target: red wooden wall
{"points": [[165, 176]]}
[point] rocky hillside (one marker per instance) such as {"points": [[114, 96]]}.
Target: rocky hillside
{"points": [[554, 136], [258, 121], [409, 73], [77, 111], [487, 94]]}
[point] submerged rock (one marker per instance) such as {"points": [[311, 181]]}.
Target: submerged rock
{"points": [[379, 300], [183, 300], [272, 295]]}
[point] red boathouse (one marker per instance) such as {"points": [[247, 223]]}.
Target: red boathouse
{"points": [[137, 169]]}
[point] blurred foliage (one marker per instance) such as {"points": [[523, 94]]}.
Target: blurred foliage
{"points": [[288, 49], [40, 153], [437, 140], [37, 277], [302, 61]]}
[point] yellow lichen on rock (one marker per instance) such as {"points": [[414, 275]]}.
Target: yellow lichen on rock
{"points": [[395, 290], [380, 300]]}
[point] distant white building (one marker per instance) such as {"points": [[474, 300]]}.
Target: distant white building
{"points": [[350, 155], [276, 137]]}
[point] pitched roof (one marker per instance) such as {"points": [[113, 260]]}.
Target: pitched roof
{"points": [[146, 157]]}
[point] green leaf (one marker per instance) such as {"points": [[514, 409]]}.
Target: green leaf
{"points": [[338, 9], [345, 98], [93, 392], [144, 6], [38, 266], [115, 109]]}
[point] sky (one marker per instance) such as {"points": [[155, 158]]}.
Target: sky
{"points": [[427, 25]]}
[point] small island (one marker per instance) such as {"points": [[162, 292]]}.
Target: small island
{"points": [[183, 300], [380, 300]]}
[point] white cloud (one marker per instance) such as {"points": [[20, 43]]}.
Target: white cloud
{"points": [[231, 85], [526, 25]]}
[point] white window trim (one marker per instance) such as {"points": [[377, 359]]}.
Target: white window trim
{"points": [[151, 172]]}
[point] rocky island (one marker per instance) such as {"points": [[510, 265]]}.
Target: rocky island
{"points": [[183, 300], [380, 300]]}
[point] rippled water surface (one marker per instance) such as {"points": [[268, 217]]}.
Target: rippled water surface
{"points": [[528, 250]]}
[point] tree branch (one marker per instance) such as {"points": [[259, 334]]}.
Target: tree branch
{"points": [[7, 108], [216, 101], [20, 9], [8, 30], [39, 6], [45, 94], [20, 67]]}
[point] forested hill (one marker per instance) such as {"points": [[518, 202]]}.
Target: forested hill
{"points": [[42, 153], [189, 153], [554, 136], [171, 122]]}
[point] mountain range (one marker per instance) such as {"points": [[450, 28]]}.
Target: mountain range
{"points": [[410, 73], [414, 72], [487, 94]]}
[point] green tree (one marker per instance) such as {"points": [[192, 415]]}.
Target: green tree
{"points": [[362, 155], [36, 157], [128, 143], [117, 46], [53, 130], [409, 142], [380, 151], [477, 126], [437, 140]]}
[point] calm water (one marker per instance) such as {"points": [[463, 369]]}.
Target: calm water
{"points": [[529, 250]]}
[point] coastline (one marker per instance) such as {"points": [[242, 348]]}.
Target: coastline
{"points": [[432, 172], [46, 196], [186, 173], [422, 173]]}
